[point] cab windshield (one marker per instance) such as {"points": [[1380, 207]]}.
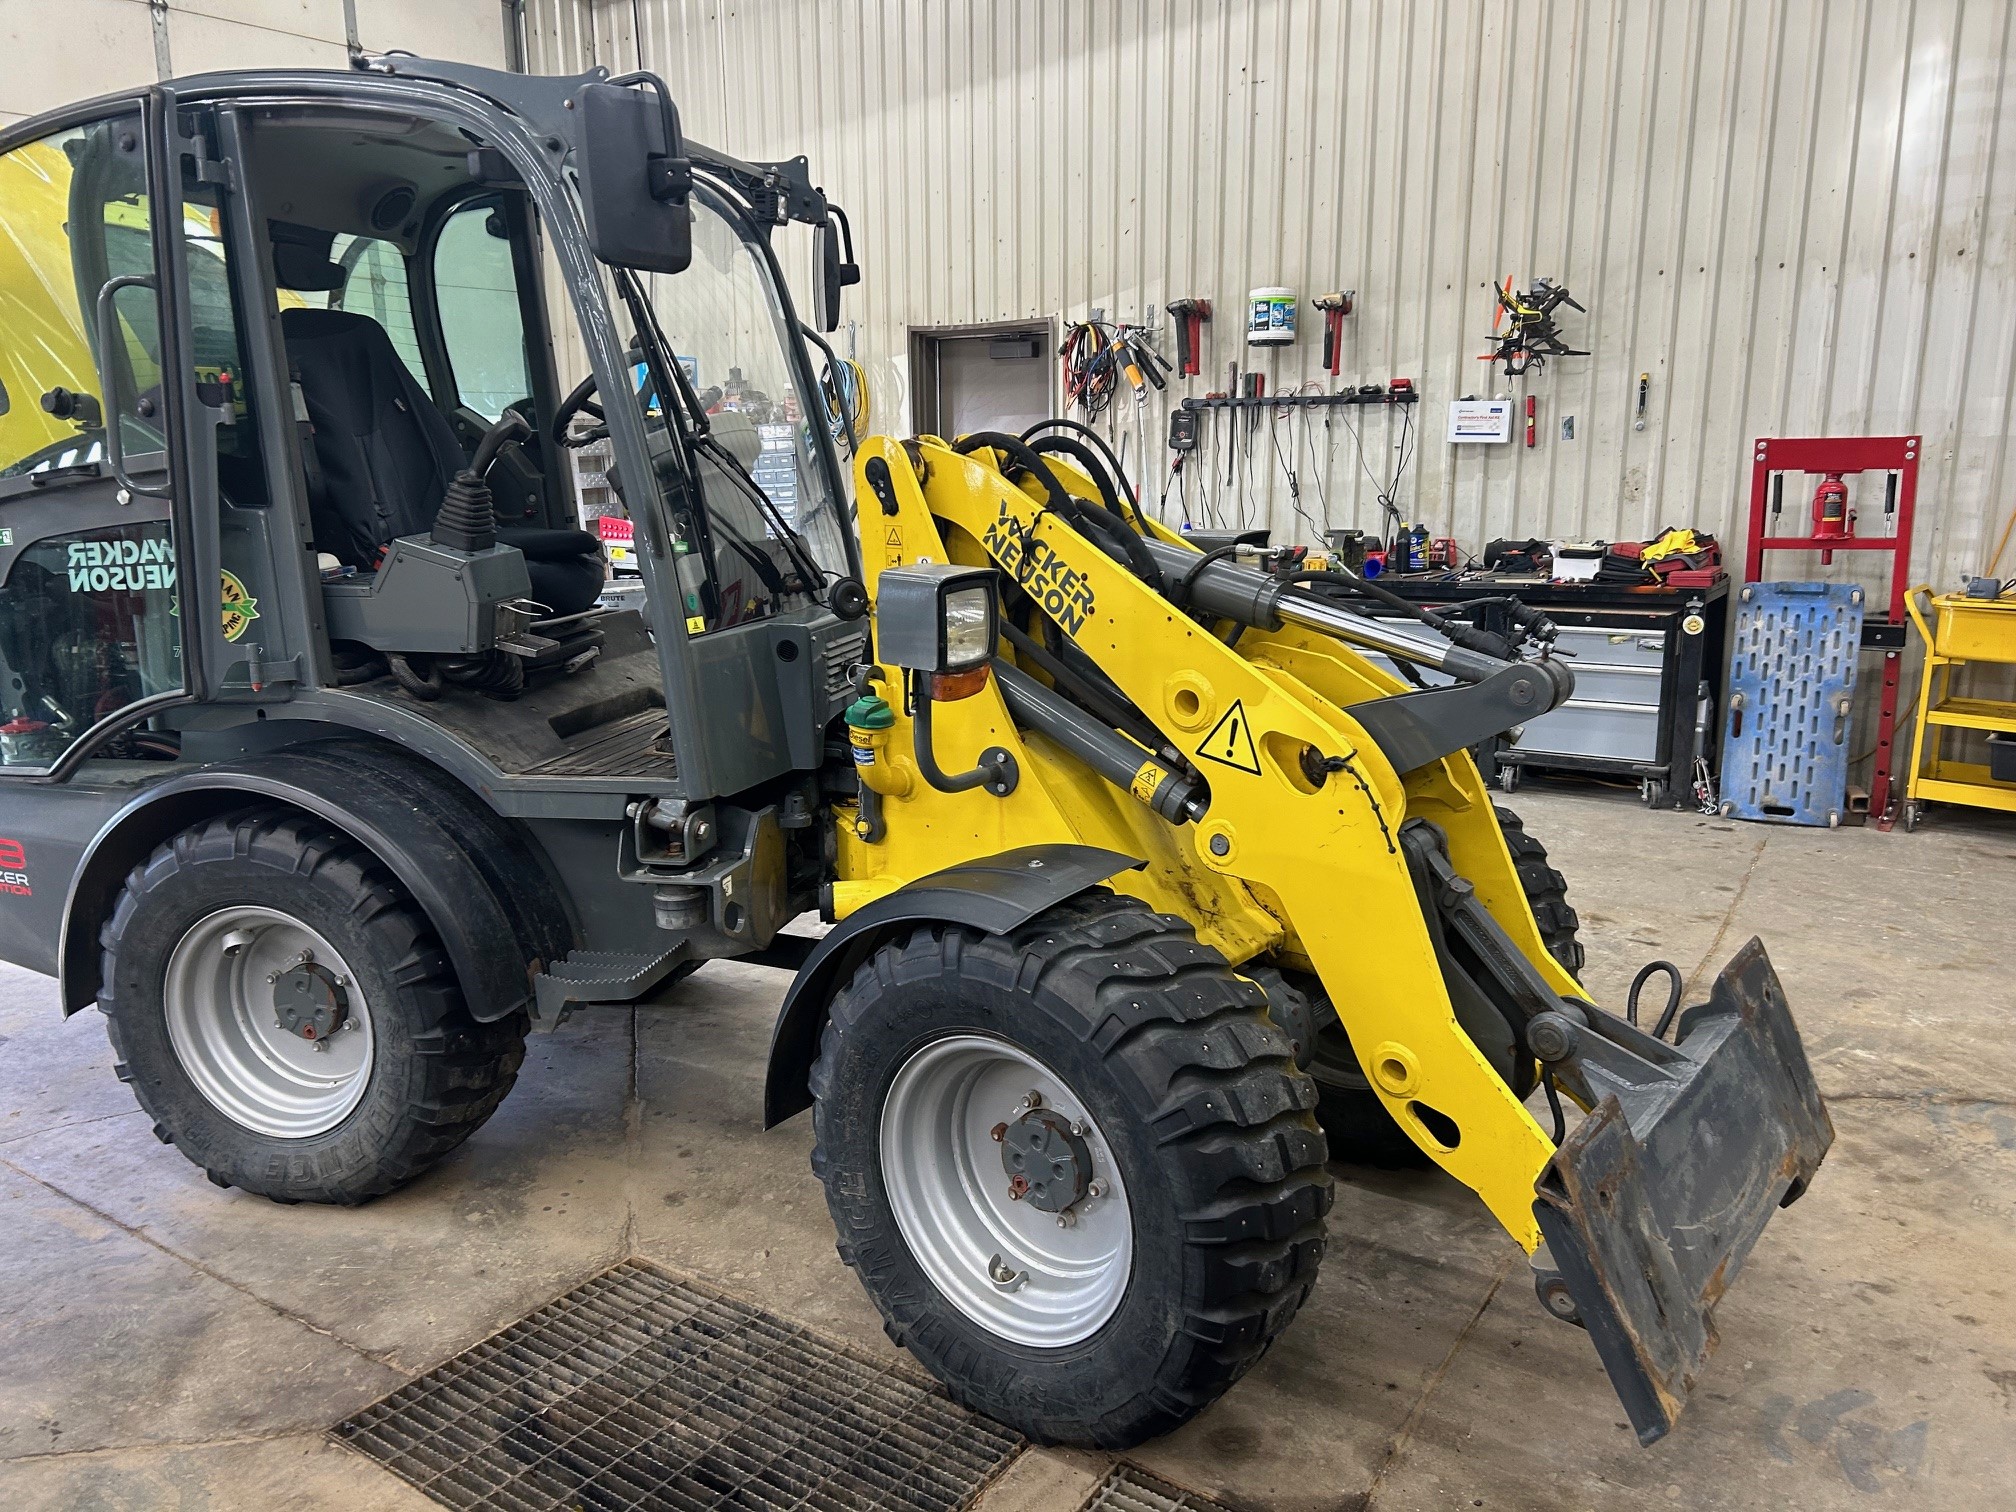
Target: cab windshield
{"points": [[759, 467]]}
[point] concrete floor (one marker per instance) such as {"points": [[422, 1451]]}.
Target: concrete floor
{"points": [[165, 1344]]}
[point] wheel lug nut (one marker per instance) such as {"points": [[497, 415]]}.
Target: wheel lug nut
{"points": [[1096, 1189], [998, 1133]]}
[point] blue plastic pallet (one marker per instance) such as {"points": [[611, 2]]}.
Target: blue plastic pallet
{"points": [[1791, 699]]}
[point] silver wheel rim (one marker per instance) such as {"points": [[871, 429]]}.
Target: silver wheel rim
{"points": [[1005, 1264], [218, 996]]}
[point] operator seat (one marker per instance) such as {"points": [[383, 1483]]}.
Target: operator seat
{"points": [[384, 453]]}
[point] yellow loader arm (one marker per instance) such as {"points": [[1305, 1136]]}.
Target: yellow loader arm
{"points": [[1296, 802]]}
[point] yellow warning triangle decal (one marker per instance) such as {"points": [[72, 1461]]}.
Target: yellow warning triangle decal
{"points": [[1230, 742]]}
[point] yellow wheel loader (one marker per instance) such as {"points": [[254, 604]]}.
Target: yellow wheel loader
{"points": [[331, 766]]}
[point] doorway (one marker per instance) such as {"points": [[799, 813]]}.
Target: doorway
{"points": [[996, 377]]}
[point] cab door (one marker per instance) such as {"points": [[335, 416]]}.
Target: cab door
{"points": [[91, 627]]}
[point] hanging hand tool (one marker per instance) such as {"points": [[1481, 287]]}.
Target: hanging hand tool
{"points": [[1151, 362], [1190, 317], [1231, 419], [1531, 405], [1334, 307]]}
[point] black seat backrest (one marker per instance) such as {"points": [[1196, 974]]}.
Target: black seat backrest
{"points": [[386, 453]]}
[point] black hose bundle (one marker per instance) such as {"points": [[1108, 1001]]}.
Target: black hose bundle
{"points": [[1108, 531], [1126, 489]]}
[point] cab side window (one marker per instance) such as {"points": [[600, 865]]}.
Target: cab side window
{"points": [[88, 592], [482, 323], [90, 177]]}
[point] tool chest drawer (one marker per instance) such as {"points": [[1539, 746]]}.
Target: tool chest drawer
{"points": [[1600, 646], [1596, 727]]}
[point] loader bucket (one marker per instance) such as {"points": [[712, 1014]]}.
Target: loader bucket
{"points": [[1651, 1205]]}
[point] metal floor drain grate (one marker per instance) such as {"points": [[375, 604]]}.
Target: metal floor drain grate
{"points": [[1127, 1489], [641, 1391]]}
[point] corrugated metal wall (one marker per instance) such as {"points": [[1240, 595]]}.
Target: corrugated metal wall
{"points": [[56, 51], [1796, 216]]}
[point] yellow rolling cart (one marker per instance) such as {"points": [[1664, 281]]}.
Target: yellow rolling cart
{"points": [[1961, 630]]}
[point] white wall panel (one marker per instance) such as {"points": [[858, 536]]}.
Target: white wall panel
{"points": [[1796, 215], [56, 51]]}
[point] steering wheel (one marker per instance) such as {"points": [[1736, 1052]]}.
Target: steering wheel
{"points": [[578, 402]]}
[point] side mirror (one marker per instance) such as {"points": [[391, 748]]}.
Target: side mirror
{"points": [[634, 177], [837, 267]]}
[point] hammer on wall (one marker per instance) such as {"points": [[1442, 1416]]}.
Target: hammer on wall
{"points": [[1334, 307]]}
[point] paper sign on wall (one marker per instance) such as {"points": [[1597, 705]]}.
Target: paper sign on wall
{"points": [[1480, 419]]}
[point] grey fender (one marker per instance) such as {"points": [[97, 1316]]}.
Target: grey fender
{"points": [[490, 897], [993, 895]]}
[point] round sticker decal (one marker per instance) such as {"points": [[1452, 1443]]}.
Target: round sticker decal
{"points": [[240, 608], [1693, 624]]}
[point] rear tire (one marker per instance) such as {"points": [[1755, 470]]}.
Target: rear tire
{"points": [[1355, 1121], [1194, 1120], [191, 953]]}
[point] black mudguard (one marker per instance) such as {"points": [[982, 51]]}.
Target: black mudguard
{"points": [[1651, 1205], [994, 894], [499, 913]]}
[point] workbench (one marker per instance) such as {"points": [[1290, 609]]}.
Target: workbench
{"points": [[1647, 663]]}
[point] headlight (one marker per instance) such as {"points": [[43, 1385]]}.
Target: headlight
{"points": [[969, 626], [936, 617]]}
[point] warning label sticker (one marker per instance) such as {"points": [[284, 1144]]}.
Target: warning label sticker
{"points": [[1230, 742], [1146, 781]]}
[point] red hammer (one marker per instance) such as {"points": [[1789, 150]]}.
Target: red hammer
{"points": [[1334, 307]]}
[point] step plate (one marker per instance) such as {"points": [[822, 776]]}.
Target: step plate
{"points": [[643, 1390]]}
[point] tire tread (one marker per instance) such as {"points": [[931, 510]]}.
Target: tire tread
{"points": [[466, 1066], [1226, 1107]]}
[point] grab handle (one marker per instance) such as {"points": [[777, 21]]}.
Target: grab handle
{"points": [[115, 450]]}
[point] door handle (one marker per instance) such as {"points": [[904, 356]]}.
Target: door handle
{"points": [[108, 324]]}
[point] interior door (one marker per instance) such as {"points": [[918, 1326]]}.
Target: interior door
{"points": [[90, 612]]}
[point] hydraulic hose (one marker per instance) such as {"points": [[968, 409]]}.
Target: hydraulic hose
{"points": [[1119, 542], [1105, 450], [1088, 461]]}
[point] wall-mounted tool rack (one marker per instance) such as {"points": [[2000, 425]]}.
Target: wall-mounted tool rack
{"points": [[1303, 401]]}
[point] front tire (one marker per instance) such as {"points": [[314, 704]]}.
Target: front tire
{"points": [[1169, 1218], [285, 1014]]}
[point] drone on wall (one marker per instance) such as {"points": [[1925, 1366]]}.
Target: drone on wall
{"points": [[1531, 336]]}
